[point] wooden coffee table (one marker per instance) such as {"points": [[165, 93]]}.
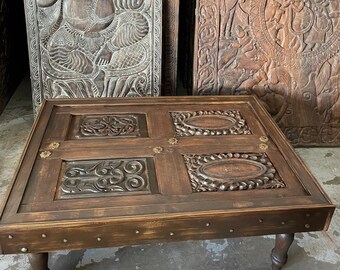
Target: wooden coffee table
{"points": [[110, 172]]}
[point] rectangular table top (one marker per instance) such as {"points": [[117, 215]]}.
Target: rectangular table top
{"points": [[105, 172]]}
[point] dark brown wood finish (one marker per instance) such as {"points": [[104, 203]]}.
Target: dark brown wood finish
{"points": [[284, 52], [102, 172]]}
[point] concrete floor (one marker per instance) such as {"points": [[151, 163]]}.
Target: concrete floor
{"points": [[312, 251]]}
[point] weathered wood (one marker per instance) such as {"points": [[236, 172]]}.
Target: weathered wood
{"points": [[279, 253], [286, 53], [112, 172]]}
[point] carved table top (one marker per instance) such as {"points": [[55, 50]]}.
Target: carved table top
{"points": [[103, 172]]}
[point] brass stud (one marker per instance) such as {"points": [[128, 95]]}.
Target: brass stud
{"points": [[65, 240], [263, 146], [53, 145], [172, 234], [307, 226], [158, 150], [231, 230], [45, 154], [137, 232], [99, 239], [24, 250], [207, 224], [43, 235], [10, 237], [173, 141], [264, 139]]}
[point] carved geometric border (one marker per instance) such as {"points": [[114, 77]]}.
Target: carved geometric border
{"points": [[232, 172]]}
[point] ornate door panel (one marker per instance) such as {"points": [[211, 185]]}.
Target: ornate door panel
{"points": [[88, 48], [285, 52]]}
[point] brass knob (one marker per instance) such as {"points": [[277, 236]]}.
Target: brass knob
{"points": [[263, 146], [158, 150], [45, 154], [264, 139], [53, 145], [173, 141]]}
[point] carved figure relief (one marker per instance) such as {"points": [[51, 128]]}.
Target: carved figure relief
{"points": [[285, 52], [232, 172], [209, 123], [114, 176], [94, 48]]}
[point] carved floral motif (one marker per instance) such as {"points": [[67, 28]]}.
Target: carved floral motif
{"points": [[109, 126], [209, 123], [285, 52], [104, 176], [88, 48], [232, 172]]}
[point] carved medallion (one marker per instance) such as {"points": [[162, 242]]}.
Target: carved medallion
{"points": [[109, 126], [88, 48], [285, 52], [209, 123], [231, 172], [114, 176]]}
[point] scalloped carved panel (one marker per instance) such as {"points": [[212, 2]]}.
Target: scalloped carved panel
{"points": [[232, 172], [285, 52], [113, 177], [209, 123], [88, 48]]}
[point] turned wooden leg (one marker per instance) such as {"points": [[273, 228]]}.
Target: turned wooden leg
{"points": [[279, 252], [39, 261]]}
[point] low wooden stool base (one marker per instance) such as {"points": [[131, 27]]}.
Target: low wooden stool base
{"points": [[101, 173]]}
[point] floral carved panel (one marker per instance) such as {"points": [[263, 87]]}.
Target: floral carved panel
{"points": [[285, 52], [89, 48], [113, 177]]}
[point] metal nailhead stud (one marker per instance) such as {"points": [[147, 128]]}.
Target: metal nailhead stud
{"points": [[99, 239], [307, 226], [172, 234], [24, 250], [43, 235], [65, 240], [261, 220], [207, 224], [231, 230], [137, 232], [283, 223], [10, 237]]}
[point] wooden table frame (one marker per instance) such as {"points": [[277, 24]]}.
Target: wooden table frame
{"points": [[170, 208]]}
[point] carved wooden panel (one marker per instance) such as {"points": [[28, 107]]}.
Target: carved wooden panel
{"points": [[232, 172], [285, 52], [170, 46], [94, 48], [209, 123], [95, 177]]}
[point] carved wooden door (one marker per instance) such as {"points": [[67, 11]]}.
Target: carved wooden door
{"points": [[88, 48], [285, 52]]}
